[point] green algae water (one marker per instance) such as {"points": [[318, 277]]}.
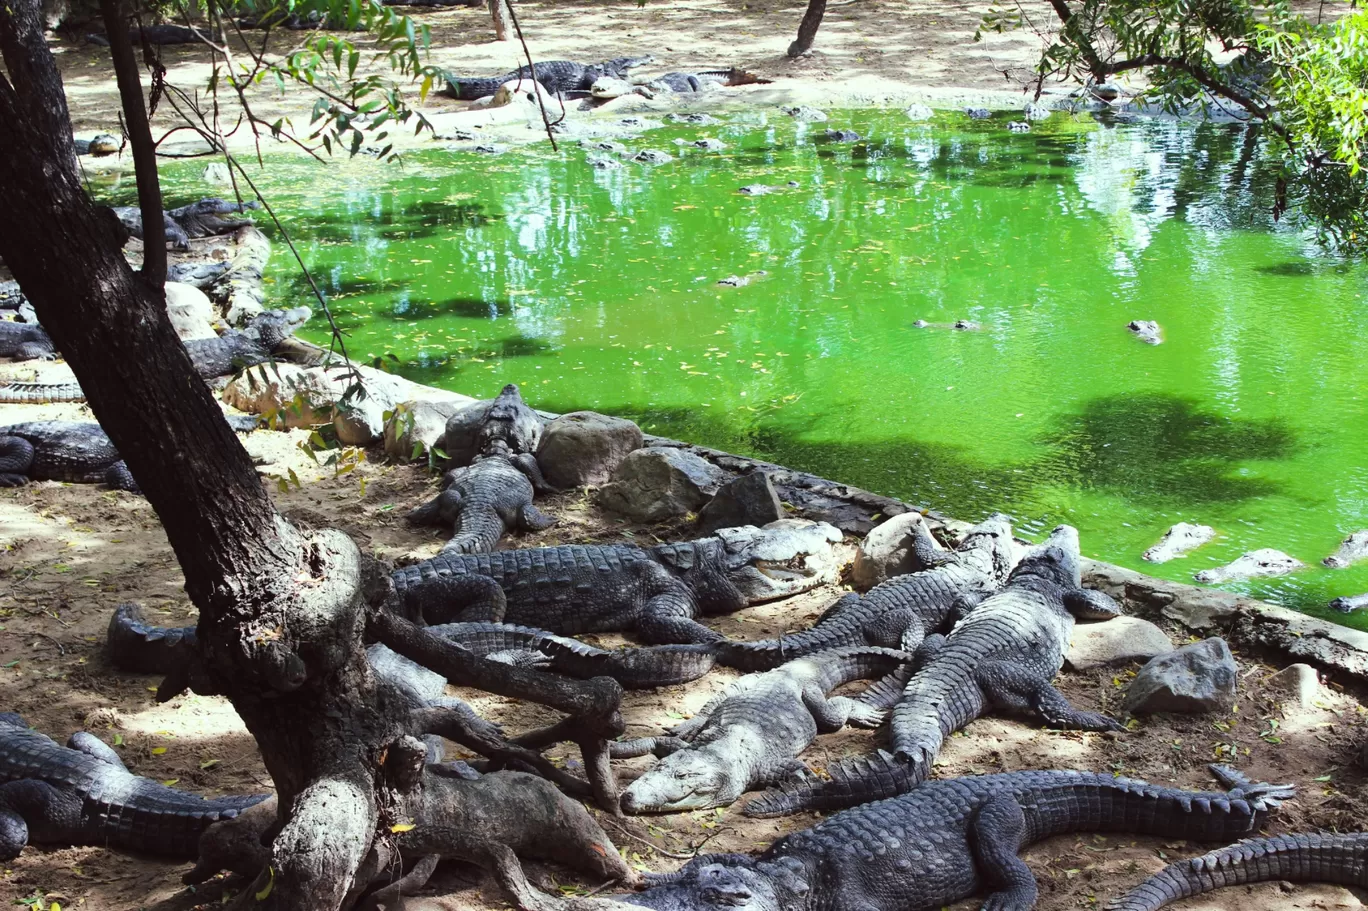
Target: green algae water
{"points": [[598, 288]]}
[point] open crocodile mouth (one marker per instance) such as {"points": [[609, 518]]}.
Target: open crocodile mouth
{"points": [[788, 571]]}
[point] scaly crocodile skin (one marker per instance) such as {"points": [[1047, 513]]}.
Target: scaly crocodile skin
{"points": [[554, 75], [482, 501], [60, 451]]}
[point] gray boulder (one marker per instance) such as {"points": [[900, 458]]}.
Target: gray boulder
{"points": [[466, 431], [423, 421], [1117, 641], [886, 551], [748, 500], [652, 485], [1195, 678], [1299, 682], [584, 448]]}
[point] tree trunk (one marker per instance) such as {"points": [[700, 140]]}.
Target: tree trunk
{"points": [[807, 29], [498, 9]]}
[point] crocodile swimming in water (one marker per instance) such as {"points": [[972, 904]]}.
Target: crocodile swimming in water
{"points": [[1002, 655], [556, 76], [82, 794], [655, 591], [902, 611], [951, 838]]}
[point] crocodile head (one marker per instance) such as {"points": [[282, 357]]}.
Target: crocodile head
{"points": [[619, 66], [274, 326], [991, 542], [783, 558], [686, 780], [1054, 561], [509, 426], [730, 882]]}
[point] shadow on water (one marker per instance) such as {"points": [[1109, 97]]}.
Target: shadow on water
{"points": [[524, 346], [1162, 449], [466, 307]]}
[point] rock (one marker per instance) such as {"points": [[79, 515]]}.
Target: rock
{"points": [[1117, 641], [1349, 603], [1202, 609], [423, 421], [216, 172], [804, 113], [842, 136], [1178, 540], [1195, 678], [652, 485], [886, 551], [308, 396], [1253, 565], [1018, 126], [918, 112], [748, 500], [192, 313], [653, 156], [1298, 681], [1147, 330], [104, 144], [1034, 110], [462, 438], [1351, 550], [584, 448], [978, 113]]}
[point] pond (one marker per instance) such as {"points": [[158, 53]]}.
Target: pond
{"points": [[598, 288]]}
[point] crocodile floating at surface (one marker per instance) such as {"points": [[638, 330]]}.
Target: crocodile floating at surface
{"points": [[751, 733], [1002, 655], [82, 794], [555, 76], [1301, 858], [656, 591], [900, 612], [61, 451], [951, 838]]}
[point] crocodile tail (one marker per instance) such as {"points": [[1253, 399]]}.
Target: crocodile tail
{"points": [[860, 662], [134, 645], [1306, 857], [662, 665], [162, 820], [469, 88], [40, 393], [885, 692], [477, 532], [841, 625], [852, 782]]}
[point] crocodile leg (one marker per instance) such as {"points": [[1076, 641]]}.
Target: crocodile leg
{"points": [[32, 809], [118, 477], [660, 747], [527, 464], [832, 714], [530, 518], [926, 549], [449, 598], [999, 828], [900, 629], [91, 745], [1015, 689], [668, 618], [1086, 604], [16, 455]]}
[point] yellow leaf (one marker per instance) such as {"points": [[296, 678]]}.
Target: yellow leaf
{"points": [[402, 827], [266, 889], [170, 781], [157, 751]]}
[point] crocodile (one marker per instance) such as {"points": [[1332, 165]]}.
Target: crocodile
{"points": [[951, 838], [61, 451], [750, 734], [705, 79], [481, 501], [25, 342], [82, 794], [211, 357], [198, 219], [901, 611], [504, 425], [1351, 550], [135, 645], [556, 76], [1299, 858], [655, 591], [1002, 655]]}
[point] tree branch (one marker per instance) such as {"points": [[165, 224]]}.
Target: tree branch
{"points": [[1207, 81], [144, 149]]}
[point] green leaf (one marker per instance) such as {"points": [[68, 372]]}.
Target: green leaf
{"points": [[265, 892]]}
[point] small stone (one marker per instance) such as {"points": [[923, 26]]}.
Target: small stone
{"points": [[652, 485], [1262, 563], [1178, 540], [1193, 679], [1299, 681], [1117, 641], [918, 112], [1147, 330], [584, 448], [748, 500], [804, 113], [886, 551]]}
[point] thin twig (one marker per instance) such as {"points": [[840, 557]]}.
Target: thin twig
{"points": [[650, 844], [536, 86]]}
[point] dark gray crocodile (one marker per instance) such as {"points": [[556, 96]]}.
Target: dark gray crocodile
{"points": [[556, 76], [704, 79], [199, 219], [1301, 858], [750, 734], [61, 451], [25, 342], [656, 591], [481, 502], [951, 838], [81, 794], [1002, 655], [211, 357], [135, 645], [902, 611]]}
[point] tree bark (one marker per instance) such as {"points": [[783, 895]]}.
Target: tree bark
{"points": [[807, 29], [498, 10]]}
